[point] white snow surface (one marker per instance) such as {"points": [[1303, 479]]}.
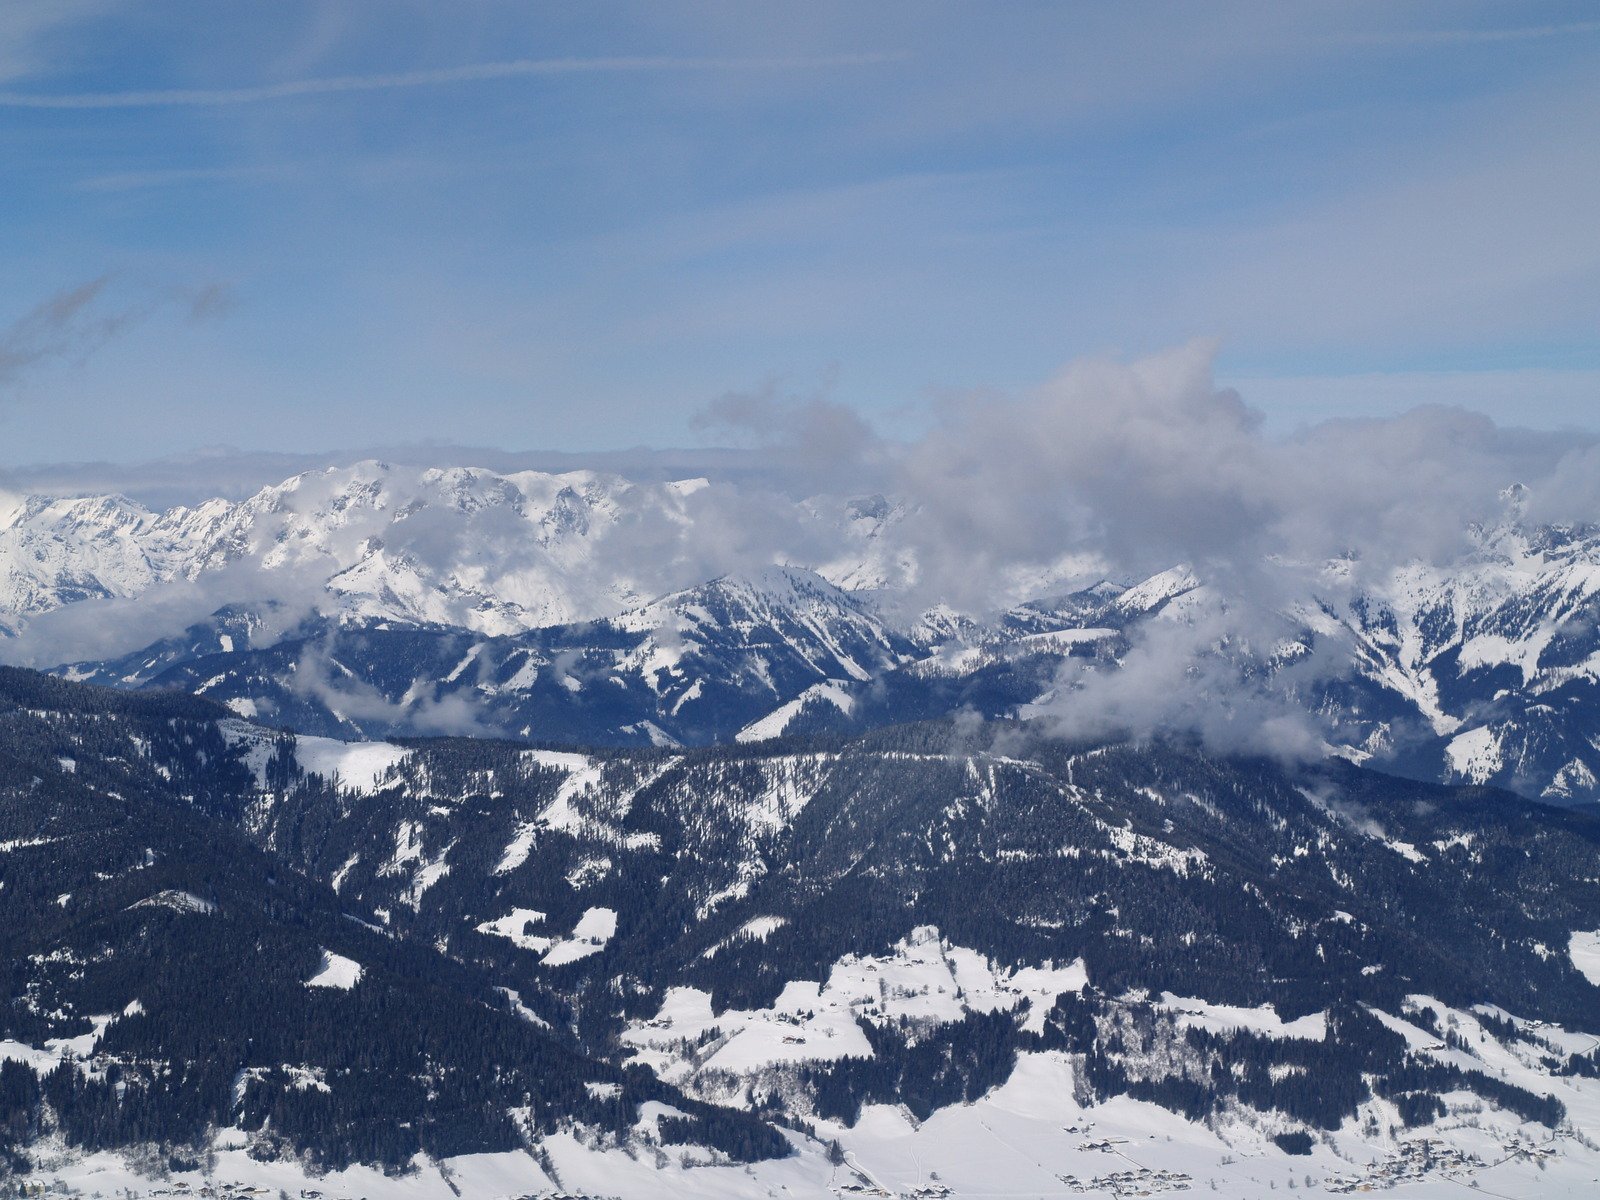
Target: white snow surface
{"points": [[582, 773], [43, 1058], [589, 936], [925, 980], [1584, 951], [359, 766], [1474, 755], [336, 971], [513, 927], [1226, 1018], [777, 721]]}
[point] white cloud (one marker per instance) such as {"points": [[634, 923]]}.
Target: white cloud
{"points": [[1559, 397]]}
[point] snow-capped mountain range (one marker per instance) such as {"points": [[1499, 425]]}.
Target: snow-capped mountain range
{"points": [[773, 882], [471, 548], [379, 600]]}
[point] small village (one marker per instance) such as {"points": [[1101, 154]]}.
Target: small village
{"points": [[181, 1189], [927, 1191], [1414, 1161], [1139, 1181]]}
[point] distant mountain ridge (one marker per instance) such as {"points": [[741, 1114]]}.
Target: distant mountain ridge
{"points": [[460, 546], [376, 600], [692, 667]]}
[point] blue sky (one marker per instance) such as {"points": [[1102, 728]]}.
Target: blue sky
{"points": [[296, 226]]}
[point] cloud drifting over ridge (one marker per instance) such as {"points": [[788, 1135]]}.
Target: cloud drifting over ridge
{"points": [[1148, 463], [1110, 468], [1196, 676], [1137, 466]]}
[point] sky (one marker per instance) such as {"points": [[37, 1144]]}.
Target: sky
{"points": [[303, 226]]}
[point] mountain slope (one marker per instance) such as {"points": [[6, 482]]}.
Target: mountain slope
{"points": [[910, 919], [690, 668], [166, 979], [1478, 669], [942, 927]]}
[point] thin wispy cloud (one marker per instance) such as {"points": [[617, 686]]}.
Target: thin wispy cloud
{"points": [[923, 195], [472, 73], [128, 181], [1445, 37]]}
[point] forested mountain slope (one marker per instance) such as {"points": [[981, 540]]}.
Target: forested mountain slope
{"points": [[538, 940]]}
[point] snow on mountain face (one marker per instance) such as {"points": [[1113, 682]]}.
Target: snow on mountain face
{"points": [[55, 552], [1156, 592], [465, 547], [769, 617], [874, 562], [1486, 669], [357, 766], [1498, 656], [693, 667]]}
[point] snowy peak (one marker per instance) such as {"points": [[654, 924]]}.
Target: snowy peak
{"points": [[748, 600], [60, 551], [742, 646], [1156, 592], [783, 620], [461, 546]]}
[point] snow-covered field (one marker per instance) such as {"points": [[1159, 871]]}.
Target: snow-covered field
{"points": [[594, 929], [336, 971], [1036, 1135], [925, 980], [358, 766], [1028, 1138]]}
